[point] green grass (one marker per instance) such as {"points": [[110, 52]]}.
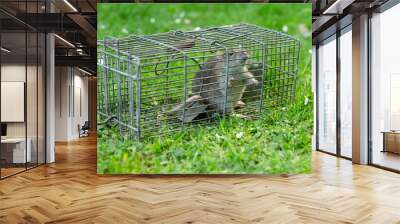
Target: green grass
{"points": [[279, 142]]}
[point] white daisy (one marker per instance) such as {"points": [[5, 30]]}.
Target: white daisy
{"points": [[239, 135]]}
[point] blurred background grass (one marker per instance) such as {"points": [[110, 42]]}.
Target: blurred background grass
{"points": [[280, 142]]}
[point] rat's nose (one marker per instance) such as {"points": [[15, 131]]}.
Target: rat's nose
{"points": [[245, 57]]}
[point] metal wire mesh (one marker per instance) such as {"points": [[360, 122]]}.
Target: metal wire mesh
{"points": [[165, 82]]}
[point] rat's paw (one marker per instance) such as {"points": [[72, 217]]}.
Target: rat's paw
{"points": [[252, 82], [239, 104]]}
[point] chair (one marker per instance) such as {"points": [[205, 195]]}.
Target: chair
{"points": [[84, 130]]}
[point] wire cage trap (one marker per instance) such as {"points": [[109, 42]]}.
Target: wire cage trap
{"points": [[155, 84]]}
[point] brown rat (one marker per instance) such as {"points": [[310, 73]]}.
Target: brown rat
{"points": [[208, 86]]}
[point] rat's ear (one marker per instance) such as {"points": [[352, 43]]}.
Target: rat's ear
{"points": [[220, 55]]}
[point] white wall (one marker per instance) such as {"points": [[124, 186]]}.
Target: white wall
{"points": [[81, 85], [33, 126], [62, 82], [17, 73], [70, 83], [12, 73], [13, 101]]}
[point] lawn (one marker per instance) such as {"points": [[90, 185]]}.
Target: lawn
{"points": [[279, 142]]}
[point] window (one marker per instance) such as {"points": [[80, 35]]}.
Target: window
{"points": [[385, 89], [22, 101], [327, 95], [346, 92]]}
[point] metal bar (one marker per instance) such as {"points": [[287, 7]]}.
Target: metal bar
{"points": [[138, 106], [130, 89], [166, 85], [338, 95], [19, 20], [263, 77], [0, 96], [116, 71], [26, 94], [45, 97], [105, 100], [233, 33], [201, 38], [296, 70], [338, 117], [226, 80], [185, 91], [386, 6], [119, 101], [119, 122], [272, 31], [316, 97], [37, 95], [73, 90], [369, 89], [159, 43], [115, 55]]}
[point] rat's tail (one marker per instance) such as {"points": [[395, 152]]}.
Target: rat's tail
{"points": [[189, 101]]}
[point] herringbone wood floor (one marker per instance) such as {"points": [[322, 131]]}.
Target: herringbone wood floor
{"points": [[70, 191]]}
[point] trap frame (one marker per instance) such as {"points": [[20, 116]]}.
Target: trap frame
{"points": [[142, 77]]}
